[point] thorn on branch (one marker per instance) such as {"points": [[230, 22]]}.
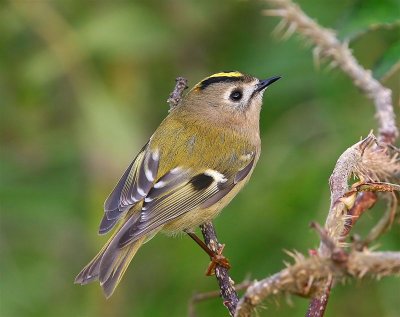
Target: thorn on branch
{"points": [[338, 255]]}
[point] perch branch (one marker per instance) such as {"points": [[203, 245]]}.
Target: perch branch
{"points": [[226, 284]]}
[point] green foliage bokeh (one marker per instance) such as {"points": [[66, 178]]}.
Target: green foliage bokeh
{"points": [[82, 86]]}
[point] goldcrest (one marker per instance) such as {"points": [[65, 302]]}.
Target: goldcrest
{"points": [[197, 160]]}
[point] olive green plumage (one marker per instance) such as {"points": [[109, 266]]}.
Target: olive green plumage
{"points": [[197, 160]]}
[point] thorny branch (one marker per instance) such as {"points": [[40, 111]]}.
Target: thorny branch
{"points": [[313, 276], [307, 276], [327, 46]]}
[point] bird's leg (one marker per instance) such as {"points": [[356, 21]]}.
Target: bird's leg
{"points": [[216, 257]]}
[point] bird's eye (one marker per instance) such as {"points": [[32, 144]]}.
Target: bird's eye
{"points": [[236, 95]]}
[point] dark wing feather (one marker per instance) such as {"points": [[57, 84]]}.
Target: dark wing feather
{"points": [[133, 186], [112, 203], [106, 224], [241, 174]]}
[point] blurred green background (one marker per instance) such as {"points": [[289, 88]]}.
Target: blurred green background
{"points": [[82, 86]]}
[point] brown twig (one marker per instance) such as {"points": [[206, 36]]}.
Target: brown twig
{"points": [[363, 202], [226, 284], [176, 94]]}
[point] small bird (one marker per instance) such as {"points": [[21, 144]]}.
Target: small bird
{"points": [[197, 160]]}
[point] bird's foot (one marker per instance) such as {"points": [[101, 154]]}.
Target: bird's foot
{"points": [[218, 259]]}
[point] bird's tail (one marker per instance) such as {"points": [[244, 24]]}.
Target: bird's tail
{"points": [[110, 264]]}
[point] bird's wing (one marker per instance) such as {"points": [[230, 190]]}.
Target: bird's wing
{"points": [[181, 190], [133, 186]]}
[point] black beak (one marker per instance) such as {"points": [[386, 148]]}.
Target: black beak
{"points": [[266, 82]]}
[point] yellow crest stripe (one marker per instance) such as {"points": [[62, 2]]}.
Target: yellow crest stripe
{"points": [[225, 74], [232, 74]]}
